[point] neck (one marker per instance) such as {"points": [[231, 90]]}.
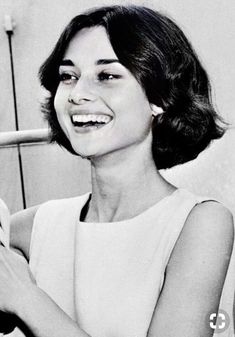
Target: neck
{"points": [[124, 184]]}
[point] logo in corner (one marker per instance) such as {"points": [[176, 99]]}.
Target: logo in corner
{"points": [[218, 322]]}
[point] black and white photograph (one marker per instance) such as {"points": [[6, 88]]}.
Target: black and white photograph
{"points": [[117, 183]]}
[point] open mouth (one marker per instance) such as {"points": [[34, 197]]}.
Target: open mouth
{"points": [[90, 121]]}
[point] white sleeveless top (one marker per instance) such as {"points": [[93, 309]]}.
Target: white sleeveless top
{"points": [[108, 276]]}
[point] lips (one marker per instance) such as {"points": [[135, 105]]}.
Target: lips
{"points": [[93, 121]]}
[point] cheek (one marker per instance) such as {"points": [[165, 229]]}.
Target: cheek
{"points": [[60, 106], [137, 108], [60, 101], [136, 100]]}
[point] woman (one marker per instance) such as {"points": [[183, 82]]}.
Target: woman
{"points": [[137, 256]]}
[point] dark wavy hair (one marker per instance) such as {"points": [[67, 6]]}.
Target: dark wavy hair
{"points": [[163, 61]]}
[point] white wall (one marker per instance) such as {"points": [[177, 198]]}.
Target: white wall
{"points": [[51, 172]]}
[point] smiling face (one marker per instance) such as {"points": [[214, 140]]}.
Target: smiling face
{"points": [[99, 104]]}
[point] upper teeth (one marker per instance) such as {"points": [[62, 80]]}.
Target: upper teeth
{"points": [[91, 118]]}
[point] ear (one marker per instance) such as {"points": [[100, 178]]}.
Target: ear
{"points": [[156, 110]]}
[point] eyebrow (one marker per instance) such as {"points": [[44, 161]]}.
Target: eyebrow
{"points": [[68, 62], [106, 61]]}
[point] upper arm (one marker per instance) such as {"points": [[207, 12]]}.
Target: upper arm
{"points": [[195, 274], [21, 229]]}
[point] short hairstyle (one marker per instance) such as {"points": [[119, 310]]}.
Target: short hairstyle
{"points": [[158, 54]]}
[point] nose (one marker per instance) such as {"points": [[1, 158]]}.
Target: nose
{"points": [[81, 93]]}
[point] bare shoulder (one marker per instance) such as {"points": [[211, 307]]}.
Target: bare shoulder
{"points": [[206, 240], [195, 272], [211, 213], [21, 229], [209, 222]]}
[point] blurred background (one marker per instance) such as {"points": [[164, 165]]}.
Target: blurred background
{"points": [[49, 171]]}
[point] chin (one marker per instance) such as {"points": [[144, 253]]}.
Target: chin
{"points": [[90, 149], [86, 153]]}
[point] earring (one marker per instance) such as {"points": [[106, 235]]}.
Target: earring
{"points": [[156, 110]]}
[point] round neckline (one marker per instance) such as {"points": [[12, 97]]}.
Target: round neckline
{"points": [[129, 220]]}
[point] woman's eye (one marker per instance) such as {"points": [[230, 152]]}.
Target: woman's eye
{"points": [[67, 78], [107, 76]]}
